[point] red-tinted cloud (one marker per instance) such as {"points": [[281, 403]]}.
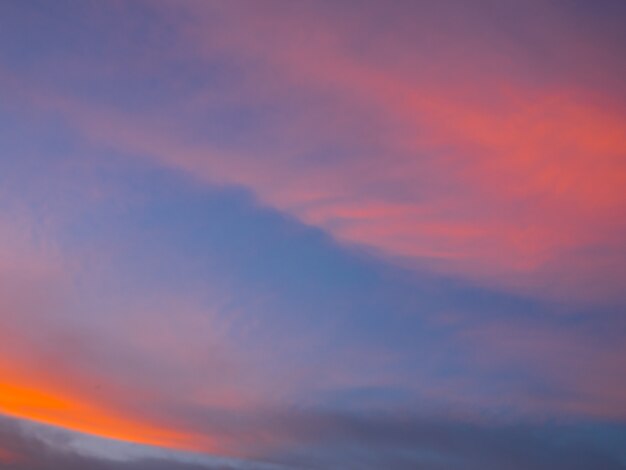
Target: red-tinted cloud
{"points": [[445, 145], [471, 168]]}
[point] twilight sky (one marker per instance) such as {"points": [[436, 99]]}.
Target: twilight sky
{"points": [[297, 234]]}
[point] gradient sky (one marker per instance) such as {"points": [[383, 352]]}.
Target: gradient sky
{"points": [[284, 235]]}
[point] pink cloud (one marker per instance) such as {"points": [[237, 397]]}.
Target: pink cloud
{"points": [[495, 178], [469, 170]]}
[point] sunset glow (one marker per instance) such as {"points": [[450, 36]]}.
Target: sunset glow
{"points": [[273, 234]]}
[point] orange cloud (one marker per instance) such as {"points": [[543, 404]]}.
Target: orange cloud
{"points": [[40, 403], [40, 376]]}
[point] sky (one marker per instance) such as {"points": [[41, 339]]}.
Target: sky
{"points": [[279, 235]]}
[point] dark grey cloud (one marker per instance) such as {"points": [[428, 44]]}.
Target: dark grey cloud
{"points": [[26, 446], [359, 442], [369, 441], [405, 441]]}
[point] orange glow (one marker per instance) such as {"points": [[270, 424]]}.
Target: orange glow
{"points": [[40, 404]]}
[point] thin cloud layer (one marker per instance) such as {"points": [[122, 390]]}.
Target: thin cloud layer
{"points": [[335, 441], [313, 234], [482, 161]]}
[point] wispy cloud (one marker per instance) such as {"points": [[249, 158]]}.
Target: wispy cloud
{"points": [[314, 233]]}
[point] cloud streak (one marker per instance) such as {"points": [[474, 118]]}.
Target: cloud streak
{"points": [[489, 176], [322, 235]]}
